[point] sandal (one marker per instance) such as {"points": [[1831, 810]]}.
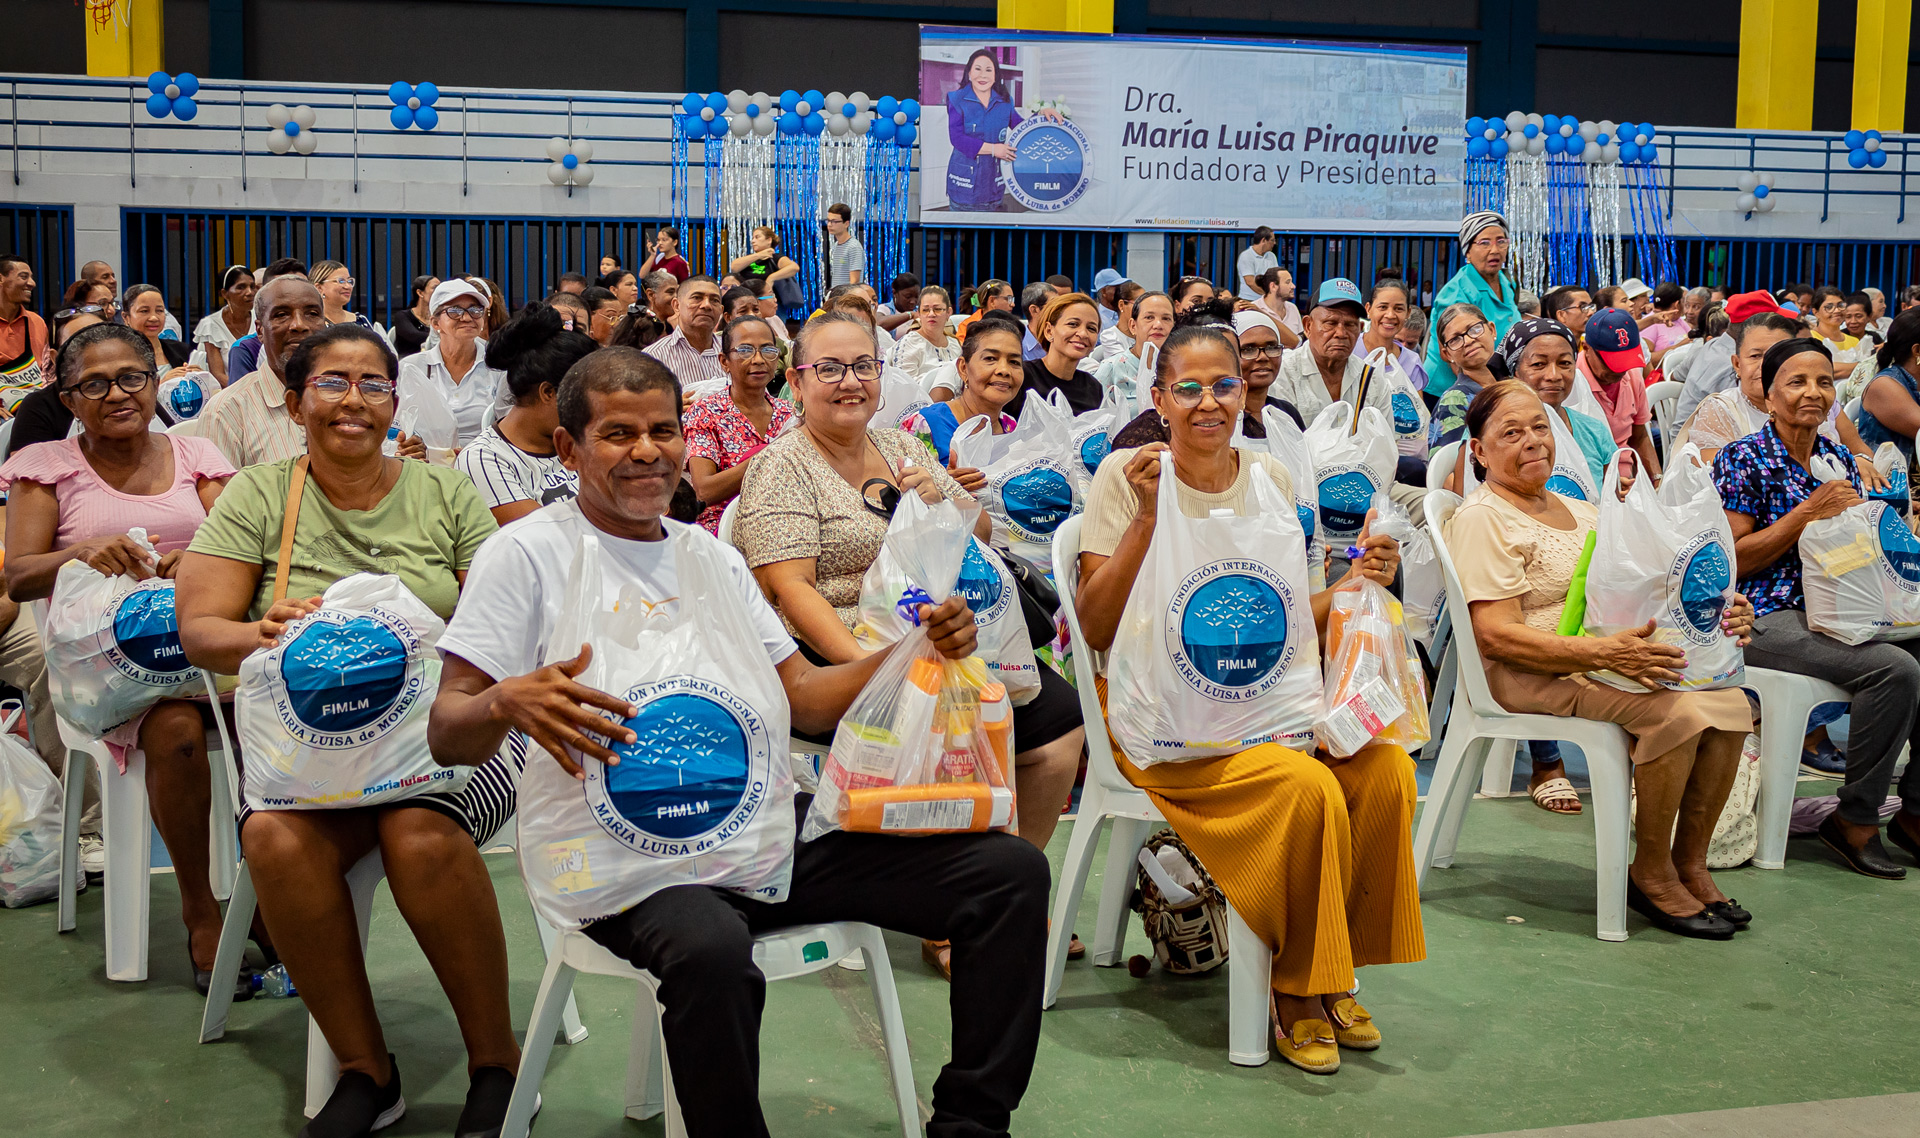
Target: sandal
{"points": [[1555, 793], [1353, 1025], [1308, 1045], [1075, 950], [939, 953]]}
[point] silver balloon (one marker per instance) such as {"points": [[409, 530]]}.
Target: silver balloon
{"points": [[835, 100], [305, 141], [278, 116], [1515, 120], [1537, 121], [736, 101], [764, 126], [1589, 129], [557, 174], [739, 126], [556, 148], [838, 124], [583, 150], [1537, 145], [1610, 152], [583, 175], [1609, 128], [1766, 179], [1746, 202], [860, 101], [707, 113], [762, 100], [279, 141], [1870, 145], [803, 108], [1747, 182], [862, 122], [899, 118], [303, 115], [1592, 153]]}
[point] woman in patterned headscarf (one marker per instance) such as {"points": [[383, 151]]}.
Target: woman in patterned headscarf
{"points": [[1481, 282]]}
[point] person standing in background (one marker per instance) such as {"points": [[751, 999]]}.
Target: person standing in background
{"points": [[846, 257], [666, 257], [1255, 260], [1276, 300]]}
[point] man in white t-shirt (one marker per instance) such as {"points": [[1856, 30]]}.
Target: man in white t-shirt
{"points": [[1256, 259], [620, 432]]}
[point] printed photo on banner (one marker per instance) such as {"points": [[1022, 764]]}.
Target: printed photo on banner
{"points": [[1057, 129]]}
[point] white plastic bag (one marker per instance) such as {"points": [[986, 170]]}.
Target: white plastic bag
{"points": [[705, 794], [184, 397], [1422, 585], [985, 581], [1286, 442], [902, 396], [926, 745], [1216, 649], [1666, 555], [113, 645], [1351, 465], [1089, 435], [1034, 480], [1892, 466], [1571, 477], [1860, 570], [424, 413], [30, 819], [334, 715], [1410, 416]]}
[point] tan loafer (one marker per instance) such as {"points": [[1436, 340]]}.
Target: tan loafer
{"points": [[1353, 1025], [1310, 1046]]}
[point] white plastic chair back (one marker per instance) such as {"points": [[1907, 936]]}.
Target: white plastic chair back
{"points": [[1440, 506], [1066, 579], [725, 533], [1664, 399], [1440, 464]]}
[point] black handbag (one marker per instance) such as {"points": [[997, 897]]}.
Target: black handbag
{"points": [[1039, 600], [787, 293]]}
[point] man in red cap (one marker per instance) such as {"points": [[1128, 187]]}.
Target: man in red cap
{"points": [[1710, 368], [1614, 365]]}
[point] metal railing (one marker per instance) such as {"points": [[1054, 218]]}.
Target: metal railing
{"points": [[41, 235]]}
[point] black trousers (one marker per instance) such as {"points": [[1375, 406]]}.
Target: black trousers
{"points": [[987, 893]]}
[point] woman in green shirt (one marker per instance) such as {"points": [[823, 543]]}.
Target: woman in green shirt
{"points": [[361, 511]]}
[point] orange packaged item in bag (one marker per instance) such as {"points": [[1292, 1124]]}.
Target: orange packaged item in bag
{"points": [[1376, 689]]}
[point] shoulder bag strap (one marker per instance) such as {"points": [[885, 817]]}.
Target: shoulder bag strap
{"points": [[1360, 398], [295, 488]]}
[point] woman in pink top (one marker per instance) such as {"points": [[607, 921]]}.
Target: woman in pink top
{"points": [[75, 500]]}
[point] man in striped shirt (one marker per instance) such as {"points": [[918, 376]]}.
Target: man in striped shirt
{"points": [[692, 352]]}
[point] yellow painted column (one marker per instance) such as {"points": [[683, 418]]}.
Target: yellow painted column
{"points": [[1882, 30], [109, 38], [149, 37], [1776, 64], [1058, 15]]}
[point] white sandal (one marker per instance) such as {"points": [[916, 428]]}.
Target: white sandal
{"points": [[1556, 790]]}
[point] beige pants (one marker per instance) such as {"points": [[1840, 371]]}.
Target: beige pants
{"points": [[23, 663]]}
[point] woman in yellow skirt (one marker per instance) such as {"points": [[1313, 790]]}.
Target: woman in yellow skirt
{"points": [[1314, 853]]}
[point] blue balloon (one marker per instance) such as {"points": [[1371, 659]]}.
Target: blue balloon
{"points": [[427, 93], [904, 135], [426, 118], [400, 92], [1497, 148], [1876, 158], [1855, 139], [188, 84], [1646, 128], [570, 161], [184, 109], [158, 105], [1477, 147], [1603, 138], [1647, 153], [912, 107], [1530, 130], [692, 104], [814, 123], [883, 129], [157, 82], [1475, 125], [848, 109], [885, 106], [789, 99], [813, 98], [789, 122], [1762, 190], [717, 100], [401, 117], [292, 128], [1858, 159], [1629, 152], [1550, 124]]}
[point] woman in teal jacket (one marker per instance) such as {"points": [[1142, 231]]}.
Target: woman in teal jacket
{"points": [[1480, 282]]}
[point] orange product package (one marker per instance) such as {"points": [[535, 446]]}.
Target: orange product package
{"points": [[1376, 689]]}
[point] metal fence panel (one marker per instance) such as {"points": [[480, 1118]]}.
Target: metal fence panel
{"points": [[42, 236]]}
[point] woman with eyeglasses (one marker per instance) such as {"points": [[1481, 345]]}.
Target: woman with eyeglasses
{"points": [[1483, 283], [1314, 853], [361, 512], [513, 463], [814, 509], [455, 370], [922, 348], [74, 499], [727, 428], [1467, 343], [217, 332], [336, 285], [990, 296], [92, 298]]}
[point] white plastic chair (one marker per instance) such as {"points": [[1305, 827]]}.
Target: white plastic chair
{"points": [[1110, 798], [126, 825], [780, 955], [725, 533], [1852, 409], [1786, 699], [1479, 724], [1440, 464], [1664, 400], [323, 1069]]}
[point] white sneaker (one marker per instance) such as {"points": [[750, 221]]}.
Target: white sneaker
{"points": [[93, 854]]}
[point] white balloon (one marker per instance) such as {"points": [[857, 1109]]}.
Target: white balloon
{"points": [[303, 115], [583, 150], [1610, 152], [1870, 145], [1589, 129], [583, 175], [1747, 182], [556, 148], [762, 100], [173, 91], [707, 113], [739, 126], [557, 174], [862, 123], [1537, 145], [1766, 180], [899, 118], [1764, 205], [1746, 202], [835, 100], [860, 101], [1536, 120], [803, 108], [1567, 128], [1515, 120], [279, 141], [305, 141], [278, 116], [838, 124], [1592, 153], [1492, 132], [736, 100], [764, 126], [1609, 128]]}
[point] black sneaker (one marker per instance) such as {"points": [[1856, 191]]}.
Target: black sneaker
{"points": [[487, 1098], [357, 1107]]}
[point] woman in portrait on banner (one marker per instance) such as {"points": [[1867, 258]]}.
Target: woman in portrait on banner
{"points": [[980, 116]]}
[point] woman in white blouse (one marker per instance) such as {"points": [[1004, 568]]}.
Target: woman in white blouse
{"points": [[927, 344], [215, 335]]}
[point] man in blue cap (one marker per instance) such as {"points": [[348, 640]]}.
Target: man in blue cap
{"points": [[1106, 284], [1613, 364]]}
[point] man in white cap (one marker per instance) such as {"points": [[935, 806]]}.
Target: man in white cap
{"points": [[1106, 285]]}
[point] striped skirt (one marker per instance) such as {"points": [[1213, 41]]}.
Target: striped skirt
{"points": [[482, 808]]}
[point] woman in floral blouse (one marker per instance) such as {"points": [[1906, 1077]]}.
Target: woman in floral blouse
{"points": [[729, 427]]}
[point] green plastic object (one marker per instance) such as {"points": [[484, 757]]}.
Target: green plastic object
{"points": [[1573, 617], [812, 951]]}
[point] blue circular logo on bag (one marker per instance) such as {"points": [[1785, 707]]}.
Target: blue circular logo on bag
{"points": [[1900, 549], [342, 675], [1344, 500], [1049, 168], [1703, 586], [697, 771], [1566, 487], [182, 398], [1406, 416], [1309, 517], [1037, 500], [1227, 629], [146, 635], [1093, 450], [980, 584]]}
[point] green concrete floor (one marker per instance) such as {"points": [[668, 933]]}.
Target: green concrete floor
{"points": [[1508, 1025]]}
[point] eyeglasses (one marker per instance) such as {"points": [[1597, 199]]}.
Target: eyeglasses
{"points": [[473, 312], [1589, 306], [1251, 352], [1190, 393], [865, 369], [348, 281], [83, 310], [748, 351], [132, 383], [1491, 243], [1469, 332], [332, 388]]}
